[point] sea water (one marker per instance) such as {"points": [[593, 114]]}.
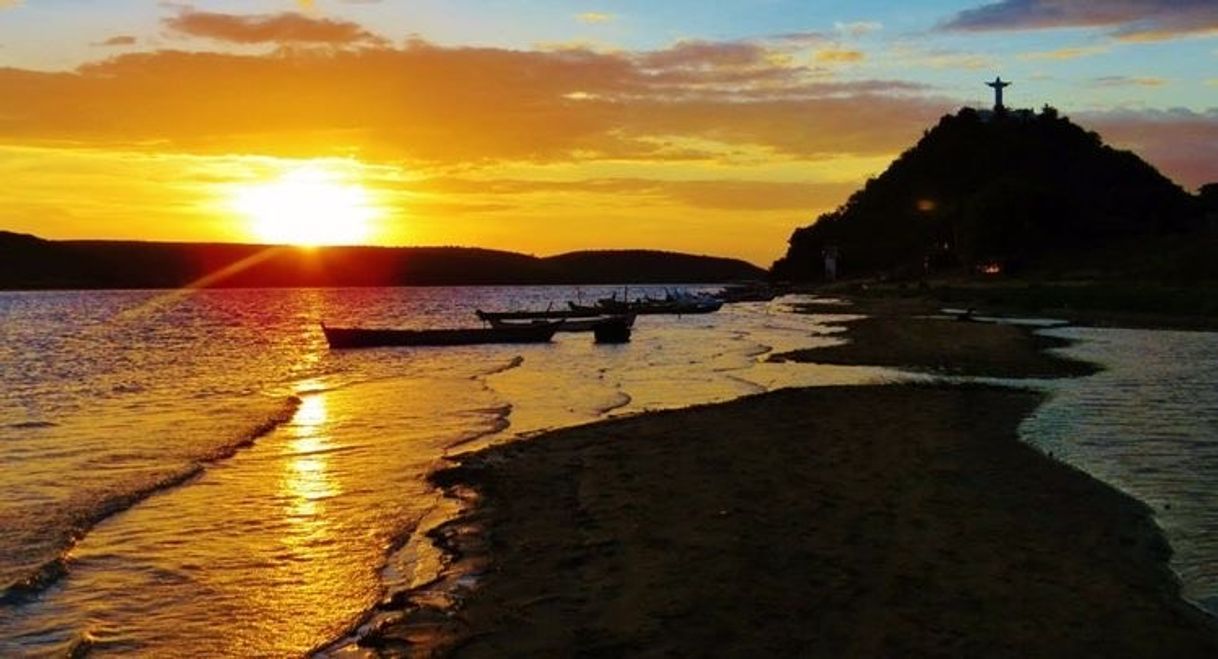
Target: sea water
{"points": [[194, 472], [1147, 424]]}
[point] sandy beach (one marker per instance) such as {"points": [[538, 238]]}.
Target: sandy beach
{"points": [[906, 334], [896, 520]]}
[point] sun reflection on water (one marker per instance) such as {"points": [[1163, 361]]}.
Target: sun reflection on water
{"points": [[307, 483]]}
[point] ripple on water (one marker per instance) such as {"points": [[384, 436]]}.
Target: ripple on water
{"points": [[1148, 424], [278, 546]]}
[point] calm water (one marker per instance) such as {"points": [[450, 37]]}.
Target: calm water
{"points": [[1148, 425], [197, 472]]}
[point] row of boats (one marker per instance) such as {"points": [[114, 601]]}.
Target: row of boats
{"points": [[609, 319]]}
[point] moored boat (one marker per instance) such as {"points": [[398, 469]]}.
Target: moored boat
{"points": [[353, 337], [573, 324], [747, 292], [612, 330], [548, 314], [677, 303]]}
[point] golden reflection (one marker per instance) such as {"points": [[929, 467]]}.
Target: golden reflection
{"points": [[307, 481], [311, 415]]}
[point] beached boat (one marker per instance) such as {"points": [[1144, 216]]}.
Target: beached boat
{"points": [[570, 324], [370, 338]]}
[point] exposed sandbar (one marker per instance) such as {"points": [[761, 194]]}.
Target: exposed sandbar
{"points": [[897, 334], [897, 520]]}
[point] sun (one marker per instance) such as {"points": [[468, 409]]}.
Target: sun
{"points": [[308, 206]]}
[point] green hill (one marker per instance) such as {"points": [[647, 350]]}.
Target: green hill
{"points": [[1013, 191]]}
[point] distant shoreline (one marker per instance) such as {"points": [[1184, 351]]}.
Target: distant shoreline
{"points": [[861, 521], [32, 263]]}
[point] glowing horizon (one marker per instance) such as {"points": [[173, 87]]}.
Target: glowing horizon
{"points": [[541, 128]]}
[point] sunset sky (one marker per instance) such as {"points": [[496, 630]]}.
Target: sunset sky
{"points": [[545, 126]]}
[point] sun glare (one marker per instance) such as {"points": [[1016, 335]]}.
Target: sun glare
{"points": [[307, 206]]}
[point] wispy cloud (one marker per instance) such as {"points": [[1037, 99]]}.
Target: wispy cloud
{"points": [[1128, 20], [838, 55], [858, 28], [284, 28], [1067, 53], [939, 58], [595, 18], [1129, 81], [1182, 143], [118, 40]]}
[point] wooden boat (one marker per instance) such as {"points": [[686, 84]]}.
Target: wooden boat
{"points": [[370, 338], [574, 324], [673, 306], [613, 330], [491, 316], [747, 292]]}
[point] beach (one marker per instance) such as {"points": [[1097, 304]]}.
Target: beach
{"points": [[887, 520]]}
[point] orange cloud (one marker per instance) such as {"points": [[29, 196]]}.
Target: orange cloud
{"points": [[836, 55], [595, 18], [463, 104], [1065, 53], [1181, 143], [704, 146], [285, 28]]}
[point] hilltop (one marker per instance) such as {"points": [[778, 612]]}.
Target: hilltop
{"points": [[34, 263], [1013, 192]]}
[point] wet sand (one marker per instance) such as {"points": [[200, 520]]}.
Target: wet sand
{"points": [[902, 334], [899, 520]]}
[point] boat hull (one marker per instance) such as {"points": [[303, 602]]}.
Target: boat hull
{"points": [[650, 308], [579, 324], [492, 316], [342, 337]]}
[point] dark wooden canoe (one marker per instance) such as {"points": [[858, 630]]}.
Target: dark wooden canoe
{"points": [[650, 307], [578, 324], [342, 337], [613, 330], [547, 314]]}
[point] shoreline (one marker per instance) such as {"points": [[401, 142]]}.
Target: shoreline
{"points": [[548, 535], [900, 334]]}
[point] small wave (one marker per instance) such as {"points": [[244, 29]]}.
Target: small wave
{"points": [[34, 583], [499, 424], [757, 388], [54, 569], [501, 411], [760, 350], [277, 418], [81, 646], [318, 390], [32, 424], [622, 400], [515, 362]]}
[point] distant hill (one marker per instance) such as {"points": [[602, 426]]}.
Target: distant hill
{"points": [[33, 263], [1010, 191]]}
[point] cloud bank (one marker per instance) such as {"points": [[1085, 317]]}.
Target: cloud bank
{"points": [[284, 28], [1128, 20]]}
